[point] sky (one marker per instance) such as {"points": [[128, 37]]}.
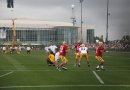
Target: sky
{"points": [[94, 13]]}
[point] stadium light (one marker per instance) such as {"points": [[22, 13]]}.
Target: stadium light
{"points": [[72, 6]]}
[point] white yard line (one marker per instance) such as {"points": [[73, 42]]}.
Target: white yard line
{"points": [[75, 66], [44, 70], [67, 70], [6, 74], [51, 86], [97, 76]]}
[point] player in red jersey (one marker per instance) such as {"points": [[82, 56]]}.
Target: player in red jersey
{"points": [[98, 56], [77, 46], [63, 51]]}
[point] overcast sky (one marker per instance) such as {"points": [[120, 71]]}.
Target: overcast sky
{"points": [[94, 13]]}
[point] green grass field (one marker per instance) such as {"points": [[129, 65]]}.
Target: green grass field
{"points": [[30, 72]]}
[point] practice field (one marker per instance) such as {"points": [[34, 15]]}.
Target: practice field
{"points": [[30, 72]]}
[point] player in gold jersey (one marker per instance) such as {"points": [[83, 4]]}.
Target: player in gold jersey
{"points": [[84, 54], [51, 58]]}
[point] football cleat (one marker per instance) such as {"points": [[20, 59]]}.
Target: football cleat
{"points": [[58, 68], [98, 69], [102, 68], [64, 68], [78, 65]]}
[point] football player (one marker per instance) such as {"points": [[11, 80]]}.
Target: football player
{"points": [[83, 50], [51, 59], [63, 51], [76, 47], [98, 56]]}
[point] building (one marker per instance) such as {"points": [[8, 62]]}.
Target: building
{"points": [[35, 32], [90, 35]]}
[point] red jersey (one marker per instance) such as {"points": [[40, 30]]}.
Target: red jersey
{"points": [[63, 50], [99, 50], [77, 46]]}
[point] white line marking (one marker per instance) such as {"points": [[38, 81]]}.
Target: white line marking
{"points": [[6, 74], [72, 64], [100, 80], [39, 86], [42, 70], [67, 70], [69, 65]]}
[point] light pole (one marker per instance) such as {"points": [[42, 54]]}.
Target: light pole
{"points": [[73, 16], [107, 21], [81, 1]]}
